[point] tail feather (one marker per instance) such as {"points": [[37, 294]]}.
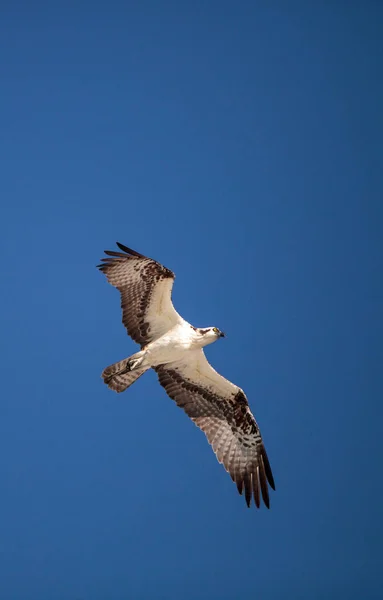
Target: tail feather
{"points": [[117, 376]]}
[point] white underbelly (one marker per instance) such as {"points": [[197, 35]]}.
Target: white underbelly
{"points": [[166, 350]]}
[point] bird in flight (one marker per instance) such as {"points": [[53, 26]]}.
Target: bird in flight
{"points": [[174, 349]]}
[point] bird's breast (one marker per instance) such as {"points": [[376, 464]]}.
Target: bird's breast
{"points": [[169, 347]]}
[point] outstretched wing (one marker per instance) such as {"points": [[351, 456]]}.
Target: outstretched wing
{"points": [[145, 286], [221, 410]]}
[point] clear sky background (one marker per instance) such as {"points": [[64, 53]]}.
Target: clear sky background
{"points": [[240, 144]]}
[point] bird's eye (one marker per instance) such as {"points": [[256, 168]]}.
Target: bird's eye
{"points": [[215, 329]]}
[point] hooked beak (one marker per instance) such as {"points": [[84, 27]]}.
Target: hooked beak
{"points": [[221, 334]]}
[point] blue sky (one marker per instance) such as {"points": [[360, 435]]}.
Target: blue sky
{"points": [[241, 145]]}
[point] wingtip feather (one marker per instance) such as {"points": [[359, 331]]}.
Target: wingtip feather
{"points": [[129, 250], [263, 482], [247, 482], [267, 467], [256, 493], [240, 486]]}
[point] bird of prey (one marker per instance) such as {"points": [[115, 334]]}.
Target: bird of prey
{"points": [[174, 349]]}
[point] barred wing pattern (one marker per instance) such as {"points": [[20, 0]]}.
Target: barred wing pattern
{"points": [[118, 378], [145, 286], [221, 410]]}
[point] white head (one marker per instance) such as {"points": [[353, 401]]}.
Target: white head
{"points": [[210, 335]]}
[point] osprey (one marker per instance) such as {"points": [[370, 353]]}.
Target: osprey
{"points": [[174, 349]]}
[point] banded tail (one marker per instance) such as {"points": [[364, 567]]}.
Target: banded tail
{"points": [[119, 376]]}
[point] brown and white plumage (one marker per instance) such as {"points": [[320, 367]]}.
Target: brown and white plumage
{"points": [[221, 410], [145, 287], [173, 348]]}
